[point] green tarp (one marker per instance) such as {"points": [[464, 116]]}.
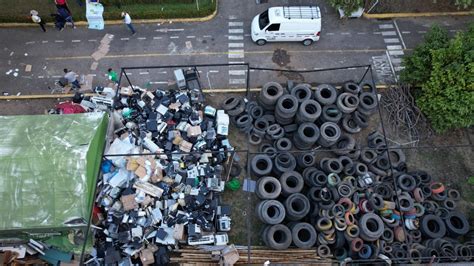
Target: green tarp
{"points": [[48, 168]]}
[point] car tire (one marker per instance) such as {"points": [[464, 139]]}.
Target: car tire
{"points": [[261, 42], [307, 42]]}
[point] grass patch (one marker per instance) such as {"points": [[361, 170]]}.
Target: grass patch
{"points": [[19, 11]]}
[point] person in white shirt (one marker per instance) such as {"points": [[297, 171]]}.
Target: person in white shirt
{"points": [[71, 78], [128, 21], [36, 19]]}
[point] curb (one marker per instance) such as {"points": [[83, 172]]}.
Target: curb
{"points": [[414, 15], [210, 91], [119, 22]]}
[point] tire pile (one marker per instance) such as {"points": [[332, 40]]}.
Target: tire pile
{"points": [[361, 203]]}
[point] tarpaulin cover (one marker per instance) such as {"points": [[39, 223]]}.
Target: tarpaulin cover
{"points": [[48, 168]]}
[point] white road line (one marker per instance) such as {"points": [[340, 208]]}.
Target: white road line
{"points": [[388, 33], [232, 17], [247, 35], [174, 37], [207, 36], [94, 75], [30, 42], [236, 37], [59, 41], [213, 71], [396, 52], [385, 26], [143, 73], [44, 41], [330, 33], [392, 40], [237, 72], [396, 61], [377, 32], [252, 70], [345, 33], [362, 33], [237, 81], [236, 62], [40, 77], [141, 38], [91, 40], [157, 38], [162, 72], [406, 32], [76, 41], [129, 73], [236, 55], [394, 47], [399, 34], [56, 77], [317, 68], [399, 68], [236, 31], [391, 66], [236, 44], [191, 37], [124, 39], [175, 29], [158, 82], [422, 31], [236, 24]]}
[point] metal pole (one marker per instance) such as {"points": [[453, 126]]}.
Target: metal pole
{"points": [[197, 4]]}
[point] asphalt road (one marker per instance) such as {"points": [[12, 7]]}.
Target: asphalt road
{"points": [[225, 39]]}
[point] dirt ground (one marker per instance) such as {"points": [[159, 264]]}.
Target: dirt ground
{"points": [[412, 6]]}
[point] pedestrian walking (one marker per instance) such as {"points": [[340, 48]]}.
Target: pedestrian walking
{"points": [[128, 21], [66, 16], [37, 19], [112, 75], [62, 4], [59, 21], [72, 78]]}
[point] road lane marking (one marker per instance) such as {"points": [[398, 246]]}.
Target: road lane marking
{"points": [[237, 81], [399, 68], [236, 54], [76, 41], [207, 36], [362, 33], [391, 66], [30, 42], [157, 38], [174, 37], [223, 53], [175, 29], [397, 61], [399, 34], [91, 40], [385, 26], [247, 35], [232, 17], [236, 31], [396, 52], [236, 44], [44, 41], [237, 72], [158, 82], [190, 37], [56, 77], [141, 38], [345, 33], [59, 41], [213, 71], [236, 37], [236, 62], [330, 33], [143, 73], [236, 24], [394, 47], [422, 31], [389, 33], [406, 32], [124, 39], [392, 40]]}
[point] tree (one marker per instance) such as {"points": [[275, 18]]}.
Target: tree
{"points": [[418, 64], [447, 94], [348, 6]]}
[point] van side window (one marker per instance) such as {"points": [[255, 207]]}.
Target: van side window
{"points": [[274, 27]]}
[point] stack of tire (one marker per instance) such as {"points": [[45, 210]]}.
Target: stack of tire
{"points": [[307, 117], [361, 203]]}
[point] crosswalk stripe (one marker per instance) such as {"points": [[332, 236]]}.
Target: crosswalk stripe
{"points": [[236, 37], [237, 81], [396, 52], [391, 40], [385, 26], [394, 47], [236, 44], [236, 31], [236, 24], [237, 72], [388, 33]]}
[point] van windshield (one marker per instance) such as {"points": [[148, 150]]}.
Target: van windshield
{"points": [[263, 20]]}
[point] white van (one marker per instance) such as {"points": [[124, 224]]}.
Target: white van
{"points": [[287, 24]]}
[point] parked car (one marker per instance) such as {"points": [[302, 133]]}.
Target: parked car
{"points": [[287, 24]]}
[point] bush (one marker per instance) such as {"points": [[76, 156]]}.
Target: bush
{"points": [[447, 86], [348, 6]]}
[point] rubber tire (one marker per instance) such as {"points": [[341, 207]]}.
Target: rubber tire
{"points": [[351, 87], [456, 224], [343, 145], [291, 182], [283, 144], [428, 221], [310, 235], [268, 187], [270, 93], [326, 139], [284, 162], [309, 111], [257, 168], [284, 233], [306, 136], [325, 94], [297, 206], [367, 223], [349, 125], [261, 42], [302, 92], [307, 42], [271, 211], [330, 113]]}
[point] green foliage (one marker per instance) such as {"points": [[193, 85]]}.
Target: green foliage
{"points": [[348, 6], [418, 64], [464, 3], [447, 96]]}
